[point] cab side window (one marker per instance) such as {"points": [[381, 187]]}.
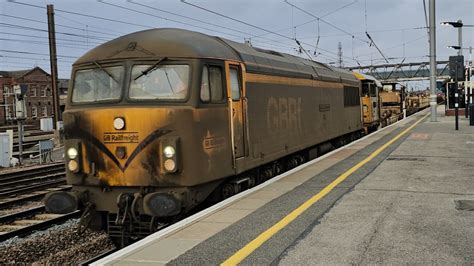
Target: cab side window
{"points": [[211, 85], [205, 93], [373, 90], [234, 83]]}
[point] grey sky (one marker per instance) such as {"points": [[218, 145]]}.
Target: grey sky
{"points": [[397, 27]]}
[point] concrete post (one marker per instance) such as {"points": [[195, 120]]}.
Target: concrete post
{"points": [[433, 103], [54, 65]]}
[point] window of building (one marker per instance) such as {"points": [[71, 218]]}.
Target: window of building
{"points": [[8, 111], [33, 92], [6, 89], [43, 92], [44, 111], [34, 111]]}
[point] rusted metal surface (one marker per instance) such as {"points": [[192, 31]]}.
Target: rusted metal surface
{"points": [[286, 105], [204, 148]]}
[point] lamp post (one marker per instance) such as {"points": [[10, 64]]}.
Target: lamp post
{"points": [[467, 89], [458, 24], [459, 48]]}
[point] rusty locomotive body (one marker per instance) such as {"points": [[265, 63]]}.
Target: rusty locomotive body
{"points": [[160, 120]]}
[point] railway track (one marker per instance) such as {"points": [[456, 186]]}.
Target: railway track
{"points": [[6, 203], [4, 219], [29, 185], [30, 180], [38, 184], [31, 220], [25, 173]]}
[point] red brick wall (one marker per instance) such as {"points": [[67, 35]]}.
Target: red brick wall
{"points": [[4, 98], [43, 98]]}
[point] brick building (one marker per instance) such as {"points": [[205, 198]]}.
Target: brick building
{"points": [[38, 98]]}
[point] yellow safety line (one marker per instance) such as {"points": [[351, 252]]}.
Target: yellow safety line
{"points": [[263, 237]]}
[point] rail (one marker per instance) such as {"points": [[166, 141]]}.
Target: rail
{"points": [[21, 231]]}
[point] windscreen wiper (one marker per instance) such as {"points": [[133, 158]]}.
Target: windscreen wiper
{"points": [[169, 82], [105, 71], [151, 68]]}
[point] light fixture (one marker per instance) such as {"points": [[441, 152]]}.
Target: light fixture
{"points": [[170, 165], [169, 151], [72, 153], [119, 123], [456, 24], [455, 47], [73, 166]]}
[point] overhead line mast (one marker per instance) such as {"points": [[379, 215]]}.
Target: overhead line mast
{"points": [[433, 103], [54, 66]]}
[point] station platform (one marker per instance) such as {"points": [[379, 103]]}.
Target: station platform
{"points": [[402, 195]]}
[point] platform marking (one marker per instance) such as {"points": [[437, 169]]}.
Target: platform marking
{"points": [[263, 237]]}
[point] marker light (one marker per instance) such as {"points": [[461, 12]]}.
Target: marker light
{"points": [[72, 153], [169, 151], [170, 165], [119, 123], [73, 166]]}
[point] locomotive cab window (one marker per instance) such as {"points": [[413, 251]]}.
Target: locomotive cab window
{"points": [[365, 89], [235, 83], [373, 90], [98, 85], [165, 82], [211, 85]]}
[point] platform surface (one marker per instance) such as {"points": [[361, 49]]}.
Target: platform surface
{"points": [[398, 207]]}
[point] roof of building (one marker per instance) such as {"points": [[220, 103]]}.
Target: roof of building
{"points": [[14, 74], [20, 73], [179, 43]]}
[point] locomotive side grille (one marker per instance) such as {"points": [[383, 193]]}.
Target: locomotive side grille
{"points": [[351, 96]]}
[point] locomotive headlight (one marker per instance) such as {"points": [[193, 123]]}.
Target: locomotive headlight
{"points": [[169, 159], [73, 166], [119, 123], [72, 153], [169, 152]]}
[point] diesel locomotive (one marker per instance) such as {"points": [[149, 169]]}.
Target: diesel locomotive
{"points": [[370, 100], [161, 120]]}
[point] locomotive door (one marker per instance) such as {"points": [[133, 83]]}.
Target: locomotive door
{"points": [[236, 100]]}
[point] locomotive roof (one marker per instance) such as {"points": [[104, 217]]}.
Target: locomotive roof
{"points": [[169, 42], [361, 76]]}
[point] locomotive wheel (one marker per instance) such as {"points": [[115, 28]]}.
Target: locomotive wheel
{"points": [[227, 191]]}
